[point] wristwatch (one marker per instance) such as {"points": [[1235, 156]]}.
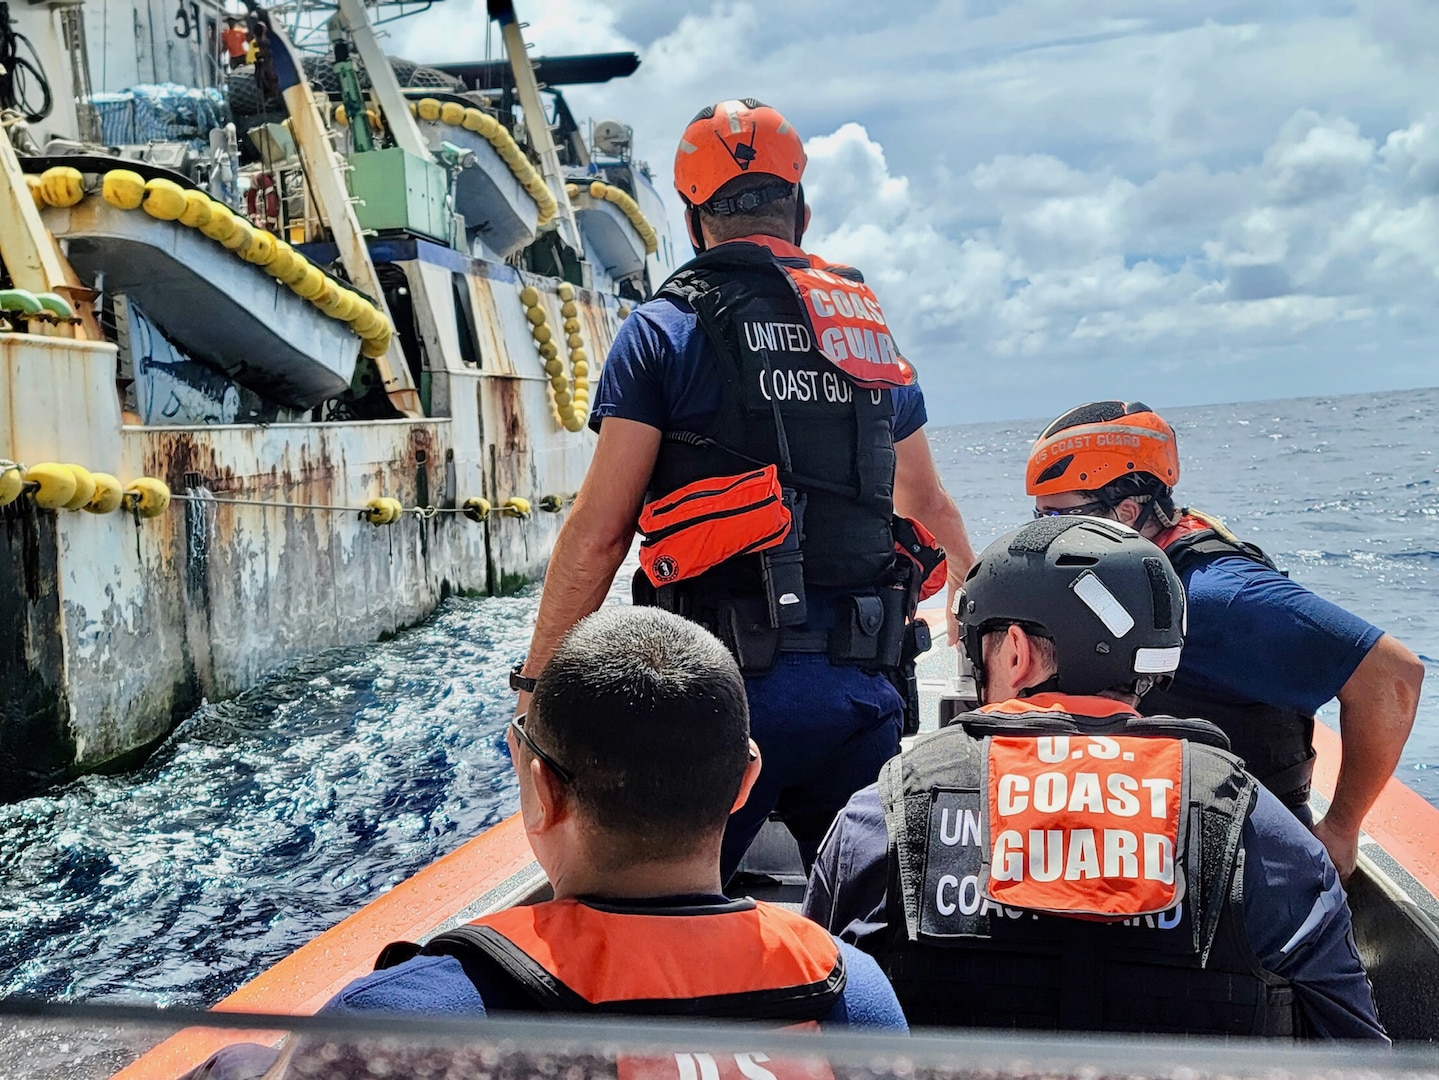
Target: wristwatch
{"points": [[520, 682]]}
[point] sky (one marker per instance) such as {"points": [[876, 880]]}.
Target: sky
{"points": [[1058, 201]]}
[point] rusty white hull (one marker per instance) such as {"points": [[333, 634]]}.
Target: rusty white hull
{"points": [[111, 628]]}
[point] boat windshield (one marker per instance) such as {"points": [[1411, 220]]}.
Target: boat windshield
{"points": [[83, 1041]]}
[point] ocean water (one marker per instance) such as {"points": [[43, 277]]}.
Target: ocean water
{"points": [[264, 820]]}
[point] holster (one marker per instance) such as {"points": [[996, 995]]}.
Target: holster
{"points": [[782, 569], [905, 678]]}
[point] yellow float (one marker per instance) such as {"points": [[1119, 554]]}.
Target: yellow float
{"points": [[51, 484], [123, 189], [109, 494]]}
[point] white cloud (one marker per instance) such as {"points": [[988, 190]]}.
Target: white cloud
{"points": [[1054, 200]]}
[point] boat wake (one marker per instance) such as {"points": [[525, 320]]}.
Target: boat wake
{"points": [[263, 820]]}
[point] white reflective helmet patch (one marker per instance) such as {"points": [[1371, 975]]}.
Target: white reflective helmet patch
{"points": [[1157, 661], [1103, 603]]}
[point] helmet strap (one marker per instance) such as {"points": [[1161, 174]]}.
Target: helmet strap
{"points": [[799, 215], [1147, 510]]}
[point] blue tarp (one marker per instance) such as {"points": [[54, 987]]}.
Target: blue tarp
{"points": [[166, 112]]}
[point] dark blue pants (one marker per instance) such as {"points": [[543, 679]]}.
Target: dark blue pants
{"points": [[823, 731]]}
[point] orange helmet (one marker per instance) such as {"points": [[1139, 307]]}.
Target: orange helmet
{"points": [[1096, 444], [742, 137]]}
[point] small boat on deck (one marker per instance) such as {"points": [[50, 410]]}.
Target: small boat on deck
{"points": [[1394, 895], [230, 313]]}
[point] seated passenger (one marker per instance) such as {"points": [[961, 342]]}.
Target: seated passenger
{"points": [[634, 752], [1064, 863], [1263, 653]]}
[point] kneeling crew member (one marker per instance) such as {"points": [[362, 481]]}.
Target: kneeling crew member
{"points": [[634, 750], [1262, 653], [1059, 862], [758, 407]]}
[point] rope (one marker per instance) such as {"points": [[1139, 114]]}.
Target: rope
{"points": [[19, 76], [425, 512]]}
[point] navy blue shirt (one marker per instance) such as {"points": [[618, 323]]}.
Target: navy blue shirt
{"points": [[438, 985], [1256, 636], [1295, 914]]}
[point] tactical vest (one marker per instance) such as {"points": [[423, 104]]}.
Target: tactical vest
{"points": [[1276, 744], [782, 399], [957, 957], [745, 960]]}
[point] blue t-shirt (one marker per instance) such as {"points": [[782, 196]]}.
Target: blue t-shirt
{"points": [[1256, 636], [662, 371], [438, 985], [1295, 914]]}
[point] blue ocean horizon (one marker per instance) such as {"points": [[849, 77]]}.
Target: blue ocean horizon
{"points": [[266, 819]]}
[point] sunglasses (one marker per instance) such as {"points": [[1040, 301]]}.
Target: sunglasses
{"points": [[1082, 510], [517, 725]]}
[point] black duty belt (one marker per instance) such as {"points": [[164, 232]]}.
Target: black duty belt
{"points": [[803, 641]]}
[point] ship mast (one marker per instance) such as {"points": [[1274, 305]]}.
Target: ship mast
{"points": [[541, 139], [325, 171]]}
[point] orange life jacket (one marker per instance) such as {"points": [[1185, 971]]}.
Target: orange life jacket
{"points": [[1188, 524], [745, 960], [1083, 825], [848, 324]]}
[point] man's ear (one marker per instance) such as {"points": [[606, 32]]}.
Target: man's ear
{"points": [[553, 799], [1027, 668], [1128, 511], [751, 774]]}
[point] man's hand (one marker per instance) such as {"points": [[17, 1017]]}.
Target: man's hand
{"points": [[1342, 845], [596, 537], [1376, 711]]}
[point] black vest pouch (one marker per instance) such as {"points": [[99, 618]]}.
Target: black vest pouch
{"points": [[749, 635], [782, 569], [855, 637]]}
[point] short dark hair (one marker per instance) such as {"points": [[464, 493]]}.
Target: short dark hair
{"points": [[648, 711], [772, 219], [1136, 485]]}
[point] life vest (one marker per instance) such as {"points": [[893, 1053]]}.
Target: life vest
{"points": [[1276, 743], [785, 403], [741, 960], [1062, 863]]}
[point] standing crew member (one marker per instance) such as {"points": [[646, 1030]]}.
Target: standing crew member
{"points": [[1263, 653], [236, 41], [1057, 861], [634, 750], [761, 406]]}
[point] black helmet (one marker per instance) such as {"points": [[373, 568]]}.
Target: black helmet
{"points": [[1106, 596]]}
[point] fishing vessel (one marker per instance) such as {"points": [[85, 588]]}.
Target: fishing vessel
{"points": [[1394, 895], [296, 339]]}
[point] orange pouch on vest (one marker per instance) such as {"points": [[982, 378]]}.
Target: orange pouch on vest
{"points": [[1086, 826], [703, 524]]}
